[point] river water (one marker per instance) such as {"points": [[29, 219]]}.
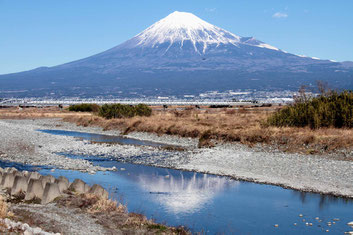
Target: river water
{"points": [[213, 204]]}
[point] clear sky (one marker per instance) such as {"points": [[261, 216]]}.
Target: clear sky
{"points": [[36, 33]]}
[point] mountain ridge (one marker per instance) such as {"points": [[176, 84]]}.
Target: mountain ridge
{"points": [[178, 50]]}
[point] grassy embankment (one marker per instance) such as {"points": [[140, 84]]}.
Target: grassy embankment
{"points": [[246, 125]]}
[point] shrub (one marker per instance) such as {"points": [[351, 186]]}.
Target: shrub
{"points": [[333, 109], [84, 108], [124, 111]]}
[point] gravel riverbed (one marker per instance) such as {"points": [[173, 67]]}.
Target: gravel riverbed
{"points": [[21, 142]]}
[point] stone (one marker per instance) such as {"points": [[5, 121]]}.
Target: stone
{"points": [[8, 180], [35, 189], [25, 173], [98, 190], [64, 178], [33, 175], [25, 226], [63, 184], [87, 188], [350, 223], [20, 185], [51, 191], [78, 186], [27, 232], [10, 169], [47, 179], [37, 230]]}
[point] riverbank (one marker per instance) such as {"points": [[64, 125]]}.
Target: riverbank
{"points": [[61, 207], [332, 174], [209, 127]]}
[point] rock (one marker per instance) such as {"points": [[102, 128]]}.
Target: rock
{"points": [[78, 186], [8, 180], [63, 184], [35, 189], [25, 173], [25, 226], [27, 232], [51, 191], [10, 169], [47, 179], [350, 223], [99, 191], [87, 188], [64, 179], [37, 230], [300, 215], [20, 185], [33, 175], [276, 225]]}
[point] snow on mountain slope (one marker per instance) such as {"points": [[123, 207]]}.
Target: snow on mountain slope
{"points": [[180, 27], [183, 26]]}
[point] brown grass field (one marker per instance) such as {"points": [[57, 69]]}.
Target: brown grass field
{"points": [[211, 126]]}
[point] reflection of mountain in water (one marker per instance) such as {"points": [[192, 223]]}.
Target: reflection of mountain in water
{"points": [[181, 194]]}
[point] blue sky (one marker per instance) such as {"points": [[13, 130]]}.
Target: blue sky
{"points": [[36, 33]]}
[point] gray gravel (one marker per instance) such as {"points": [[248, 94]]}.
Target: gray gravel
{"points": [[65, 220], [324, 174]]}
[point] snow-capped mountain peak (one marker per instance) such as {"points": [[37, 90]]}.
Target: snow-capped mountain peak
{"points": [[179, 27]]}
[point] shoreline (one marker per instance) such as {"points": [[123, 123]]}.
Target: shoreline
{"points": [[61, 207], [308, 173]]}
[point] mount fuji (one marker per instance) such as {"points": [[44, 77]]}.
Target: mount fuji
{"points": [[180, 54]]}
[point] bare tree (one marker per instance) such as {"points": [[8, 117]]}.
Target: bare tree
{"points": [[323, 88]]}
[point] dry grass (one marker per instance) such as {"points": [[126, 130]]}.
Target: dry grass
{"points": [[114, 217], [3, 207], [104, 205], [33, 113], [244, 125], [210, 126]]}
